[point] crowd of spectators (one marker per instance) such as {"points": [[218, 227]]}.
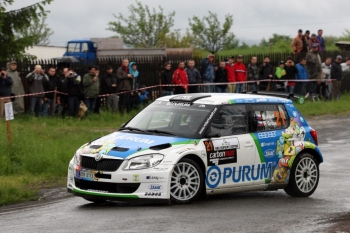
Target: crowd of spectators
{"points": [[63, 92], [304, 74]]}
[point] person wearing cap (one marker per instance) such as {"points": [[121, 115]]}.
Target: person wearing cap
{"points": [[208, 73], [266, 72], [313, 40], [297, 43], [321, 40], [336, 76], [231, 88], [109, 84], [36, 78], [240, 72], [300, 87], [17, 87], [306, 41], [280, 72], [291, 72], [253, 73], [91, 84], [325, 88], [5, 89], [314, 68]]}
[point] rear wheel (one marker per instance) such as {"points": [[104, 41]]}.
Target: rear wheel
{"points": [[304, 176], [187, 181]]}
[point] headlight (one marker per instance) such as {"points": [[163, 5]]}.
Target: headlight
{"points": [[143, 162], [77, 158]]}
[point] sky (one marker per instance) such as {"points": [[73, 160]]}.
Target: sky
{"points": [[252, 19]]}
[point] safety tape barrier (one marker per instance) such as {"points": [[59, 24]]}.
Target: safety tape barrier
{"points": [[174, 85]]}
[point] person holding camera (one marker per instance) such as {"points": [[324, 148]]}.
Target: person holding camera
{"points": [[91, 85], [5, 89], [36, 80], [266, 71], [291, 72], [74, 92]]}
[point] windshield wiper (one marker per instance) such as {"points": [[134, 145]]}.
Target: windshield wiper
{"points": [[132, 129], [160, 131]]}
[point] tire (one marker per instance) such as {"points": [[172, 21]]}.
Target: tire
{"points": [[96, 201], [304, 176], [186, 182]]}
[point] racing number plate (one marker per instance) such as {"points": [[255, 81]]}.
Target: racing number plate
{"points": [[86, 174]]}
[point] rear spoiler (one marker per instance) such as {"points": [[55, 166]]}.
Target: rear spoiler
{"points": [[291, 96]]}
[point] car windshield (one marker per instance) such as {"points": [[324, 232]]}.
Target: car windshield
{"points": [[172, 119]]}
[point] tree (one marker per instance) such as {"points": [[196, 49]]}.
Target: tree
{"points": [[39, 30], [177, 40], [276, 39], [12, 22], [143, 28], [210, 35]]}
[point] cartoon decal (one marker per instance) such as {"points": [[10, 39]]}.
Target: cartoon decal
{"points": [[221, 151], [290, 143]]}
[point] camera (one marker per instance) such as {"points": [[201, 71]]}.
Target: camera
{"points": [[70, 73], [2, 74]]}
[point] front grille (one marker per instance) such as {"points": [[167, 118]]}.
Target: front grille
{"points": [[105, 186], [102, 165]]}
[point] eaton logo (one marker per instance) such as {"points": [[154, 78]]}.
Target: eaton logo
{"points": [[269, 134], [155, 187]]}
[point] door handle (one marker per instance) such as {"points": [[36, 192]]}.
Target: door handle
{"points": [[248, 145]]}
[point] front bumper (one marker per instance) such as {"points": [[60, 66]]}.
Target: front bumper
{"points": [[148, 185]]}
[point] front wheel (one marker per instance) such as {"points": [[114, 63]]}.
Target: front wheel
{"points": [[187, 181], [304, 176]]}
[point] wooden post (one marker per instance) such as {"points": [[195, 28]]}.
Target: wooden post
{"points": [[160, 87], [54, 102], [9, 137]]}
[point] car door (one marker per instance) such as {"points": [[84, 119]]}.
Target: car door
{"points": [[229, 157], [268, 123]]}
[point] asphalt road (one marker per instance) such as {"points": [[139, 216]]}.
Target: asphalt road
{"points": [[239, 212]]}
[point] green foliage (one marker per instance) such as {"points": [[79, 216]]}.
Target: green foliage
{"points": [[176, 40], [39, 30], [210, 35], [13, 22], [143, 28], [275, 39]]}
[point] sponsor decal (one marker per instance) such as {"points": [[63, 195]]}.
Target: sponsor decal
{"points": [[156, 194], [201, 106], [222, 144], [136, 178], [155, 187], [135, 139], [155, 178], [208, 120], [179, 104], [263, 144], [161, 169], [269, 153], [217, 175], [98, 191], [268, 134], [222, 157]]}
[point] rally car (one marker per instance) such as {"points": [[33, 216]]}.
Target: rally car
{"points": [[184, 146]]}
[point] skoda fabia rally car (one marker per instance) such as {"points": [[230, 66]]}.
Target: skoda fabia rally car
{"points": [[185, 145]]}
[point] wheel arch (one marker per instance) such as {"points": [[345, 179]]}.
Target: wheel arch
{"points": [[314, 153], [198, 160]]}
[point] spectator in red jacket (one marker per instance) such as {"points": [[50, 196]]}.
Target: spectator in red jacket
{"points": [[240, 72], [180, 77], [231, 88]]}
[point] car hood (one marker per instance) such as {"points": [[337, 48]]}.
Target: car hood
{"points": [[121, 144]]}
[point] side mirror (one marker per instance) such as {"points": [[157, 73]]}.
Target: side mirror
{"points": [[213, 135]]}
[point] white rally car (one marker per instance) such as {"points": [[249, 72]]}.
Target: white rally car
{"points": [[185, 145]]}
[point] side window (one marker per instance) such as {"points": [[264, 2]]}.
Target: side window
{"points": [[74, 47], [230, 120], [267, 117], [84, 47]]}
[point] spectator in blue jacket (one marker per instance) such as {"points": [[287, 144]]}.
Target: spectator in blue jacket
{"points": [[208, 73], [301, 75], [321, 41]]}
